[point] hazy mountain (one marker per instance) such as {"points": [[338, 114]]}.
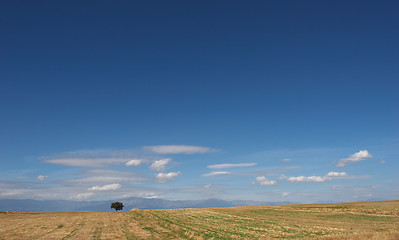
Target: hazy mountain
{"points": [[28, 205]]}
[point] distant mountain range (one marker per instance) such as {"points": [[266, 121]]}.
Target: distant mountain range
{"points": [[28, 205]]}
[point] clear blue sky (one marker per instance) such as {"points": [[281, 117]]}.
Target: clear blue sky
{"points": [[261, 100]]}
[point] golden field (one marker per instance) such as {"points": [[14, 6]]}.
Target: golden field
{"points": [[366, 220]]}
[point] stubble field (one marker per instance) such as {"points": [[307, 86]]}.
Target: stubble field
{"points": [[369, 220]]}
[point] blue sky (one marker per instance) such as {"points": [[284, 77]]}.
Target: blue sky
{"points": [[263, 100]]}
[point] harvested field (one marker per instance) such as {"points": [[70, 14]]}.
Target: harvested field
{"points": [[369, 220]]}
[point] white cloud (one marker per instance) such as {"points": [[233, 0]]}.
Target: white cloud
{"points": [[178, 149], [285, 194], [148, 195], [108, 187], [86, 162], [382, 161], [231, 165], [327, 177], [153, 197], [212, 174], [332, 175], [286, 160], [166, 177], [41, 177], [82, 196], [356, 157], [134, 162], [306, 179], [263, 181], [160, 165]]}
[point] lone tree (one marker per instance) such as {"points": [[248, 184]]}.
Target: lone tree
{"points": [[117, 206]]}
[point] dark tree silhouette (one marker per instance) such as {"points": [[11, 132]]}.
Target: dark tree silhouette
{"points": [[117, 206]]}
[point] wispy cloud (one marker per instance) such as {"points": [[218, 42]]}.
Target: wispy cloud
{"points": [[231, 165], [108, 187], [213, 174], [82, 196], [332, 175], [134, 162], [271, 171], [73, 190], [329, 176], [86, 162], [166, 177], [285, 194], [178, 149], [263, 181], [160, 165], [154, 197], [356, 157], [41, 177], [286, 160], [306, 179], [148, 195], [98, 176]]}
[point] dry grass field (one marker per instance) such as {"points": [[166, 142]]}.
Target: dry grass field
{"points": [[368, 220]]}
